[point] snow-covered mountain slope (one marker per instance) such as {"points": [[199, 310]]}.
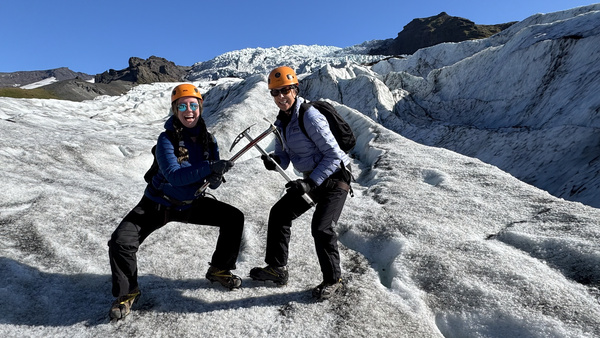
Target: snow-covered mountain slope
{"points": [[434, 243]]}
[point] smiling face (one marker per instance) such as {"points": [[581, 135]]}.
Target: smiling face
{"points": [[284, 101], [188, 117]]}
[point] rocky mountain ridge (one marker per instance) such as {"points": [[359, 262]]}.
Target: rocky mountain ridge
{"points": [[140, 71], [426, 32], [18, 79]]}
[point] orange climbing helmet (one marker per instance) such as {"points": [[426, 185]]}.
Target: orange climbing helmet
{"points": [[186, 89], [282, 76]]}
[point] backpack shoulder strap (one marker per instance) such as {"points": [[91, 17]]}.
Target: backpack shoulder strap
{"points": [[153, 170], [212, 145], [303, 108], [171, 136]]}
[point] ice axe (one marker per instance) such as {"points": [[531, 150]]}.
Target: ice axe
{"points": [[277, 166], [253, 142]]}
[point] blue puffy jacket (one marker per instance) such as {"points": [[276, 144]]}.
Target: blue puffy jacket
{"points": [[180, 181], [317, 156]]}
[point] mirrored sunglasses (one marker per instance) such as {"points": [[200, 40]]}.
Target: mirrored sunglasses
{"points": [[284, 91], [183, 106]]}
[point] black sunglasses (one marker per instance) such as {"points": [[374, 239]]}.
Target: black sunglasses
{"points": [[284, 91]]}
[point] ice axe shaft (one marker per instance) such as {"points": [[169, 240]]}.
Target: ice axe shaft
{"points": [[252, 143], [277, 166]]}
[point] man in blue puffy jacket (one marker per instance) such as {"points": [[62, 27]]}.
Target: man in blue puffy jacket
{"points": [[326, 179]]}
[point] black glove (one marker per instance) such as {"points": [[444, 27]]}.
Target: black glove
{"points": [[221, 166], [300, 187], [268, 161], [214, 181]]}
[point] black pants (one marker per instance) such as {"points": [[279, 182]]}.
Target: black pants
{"points": [[329, 204], [149, 216]]}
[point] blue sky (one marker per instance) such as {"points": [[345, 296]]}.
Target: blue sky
{"points": [[94, 36]]}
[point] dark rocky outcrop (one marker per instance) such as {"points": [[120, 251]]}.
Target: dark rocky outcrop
{"points": [[140, 71], [117, 82], [426, 32]]}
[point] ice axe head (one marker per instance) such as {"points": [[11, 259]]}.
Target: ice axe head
{"points": [[276, 132], [239, 137]]}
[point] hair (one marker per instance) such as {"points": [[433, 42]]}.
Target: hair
{"points": [[203, 138]]}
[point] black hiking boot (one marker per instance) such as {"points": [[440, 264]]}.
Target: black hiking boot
{"points": [[121, 307], [326, 290], [224, 277], [278, 275]]}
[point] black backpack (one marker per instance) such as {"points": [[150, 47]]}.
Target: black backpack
{"points": [[339, 127], [153, 170]]}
